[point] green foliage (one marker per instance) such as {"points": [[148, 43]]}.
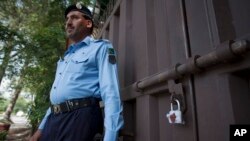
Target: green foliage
{"points": [[3, 104], [5, 125], [3, 135], [37, 110], [21, 105], [13, 51], [38, 33], [6, 34]]}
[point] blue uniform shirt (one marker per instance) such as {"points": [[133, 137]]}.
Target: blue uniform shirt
{"points": [[85, 71]]}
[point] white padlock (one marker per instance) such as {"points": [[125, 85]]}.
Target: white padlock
{"points": [[175, 116]]}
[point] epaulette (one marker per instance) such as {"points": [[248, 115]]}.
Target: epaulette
{"points": [[110, 50], [101, 40]]}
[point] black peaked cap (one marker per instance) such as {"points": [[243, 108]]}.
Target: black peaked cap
{"points": [[78, 7]]}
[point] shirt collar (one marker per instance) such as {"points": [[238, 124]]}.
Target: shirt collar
{"points": [[74, 47], [86, 40]]}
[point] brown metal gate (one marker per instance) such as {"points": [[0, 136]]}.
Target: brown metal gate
{"points": [[166, 46]]}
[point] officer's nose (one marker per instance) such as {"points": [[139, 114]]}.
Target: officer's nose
{"points": [[68, 23]]}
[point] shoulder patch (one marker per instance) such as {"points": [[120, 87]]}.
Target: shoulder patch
{"points": [[111, 55], [111, 51]]}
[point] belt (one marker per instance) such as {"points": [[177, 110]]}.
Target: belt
{"points": [[74, 104]]}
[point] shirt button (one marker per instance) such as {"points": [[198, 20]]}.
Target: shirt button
{"points": [[54, 87], [60, 73]]}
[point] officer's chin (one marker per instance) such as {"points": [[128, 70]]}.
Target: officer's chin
{"points": [[69, 35]]}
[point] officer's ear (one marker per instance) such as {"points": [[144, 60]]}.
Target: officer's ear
{"points": [[89, 24]]}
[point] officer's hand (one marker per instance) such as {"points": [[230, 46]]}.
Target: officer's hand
{"points": [[36, 136]]}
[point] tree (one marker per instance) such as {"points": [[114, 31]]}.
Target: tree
{"points": [[3, 104], [41, 40], [17, 91], [7, 37]]}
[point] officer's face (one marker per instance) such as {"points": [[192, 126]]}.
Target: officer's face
{"points": [[77, 27]]}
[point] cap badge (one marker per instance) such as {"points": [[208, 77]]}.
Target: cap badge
{"points": [[79, 5]]}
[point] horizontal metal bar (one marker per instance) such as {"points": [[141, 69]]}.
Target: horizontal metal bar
{"points": [[224, 53]]}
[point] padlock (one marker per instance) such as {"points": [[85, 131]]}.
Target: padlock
{"points": [[175, 116]]}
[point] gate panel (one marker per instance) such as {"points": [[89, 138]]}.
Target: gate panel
{"points": [[152, 37], [219, 90]]}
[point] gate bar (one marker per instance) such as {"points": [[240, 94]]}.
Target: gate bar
{"points": [[226, 52]]}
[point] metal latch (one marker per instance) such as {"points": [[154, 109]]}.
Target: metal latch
{"points": [[177, 93]]}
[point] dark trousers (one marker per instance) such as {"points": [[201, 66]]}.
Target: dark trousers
{"points": [[78, 125]]}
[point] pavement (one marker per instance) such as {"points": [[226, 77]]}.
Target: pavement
{"points": [[19, 121], [20, 130]]}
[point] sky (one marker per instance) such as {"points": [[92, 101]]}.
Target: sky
{"points": [[4, 88], [7, 93]]}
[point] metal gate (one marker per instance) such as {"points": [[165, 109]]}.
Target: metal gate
{"points": [[196, 51]]}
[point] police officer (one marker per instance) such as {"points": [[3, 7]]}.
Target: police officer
{"points": [[86, 74]]}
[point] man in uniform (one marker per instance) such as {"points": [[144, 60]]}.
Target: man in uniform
{"points": [[86, 74]]}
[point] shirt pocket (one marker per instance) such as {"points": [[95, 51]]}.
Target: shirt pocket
{"points": [[59, 65], [78, 64]]}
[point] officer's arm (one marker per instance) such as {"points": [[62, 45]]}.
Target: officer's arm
{"points": [[36, 136], [109, 88]]}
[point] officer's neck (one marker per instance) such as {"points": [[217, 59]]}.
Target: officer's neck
{"points": [[78, 39]]}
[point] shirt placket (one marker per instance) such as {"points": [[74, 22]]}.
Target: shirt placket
{"points": [[61, 73]]}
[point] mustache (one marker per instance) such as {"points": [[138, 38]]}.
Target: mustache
{"points": [[69, 27]]}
